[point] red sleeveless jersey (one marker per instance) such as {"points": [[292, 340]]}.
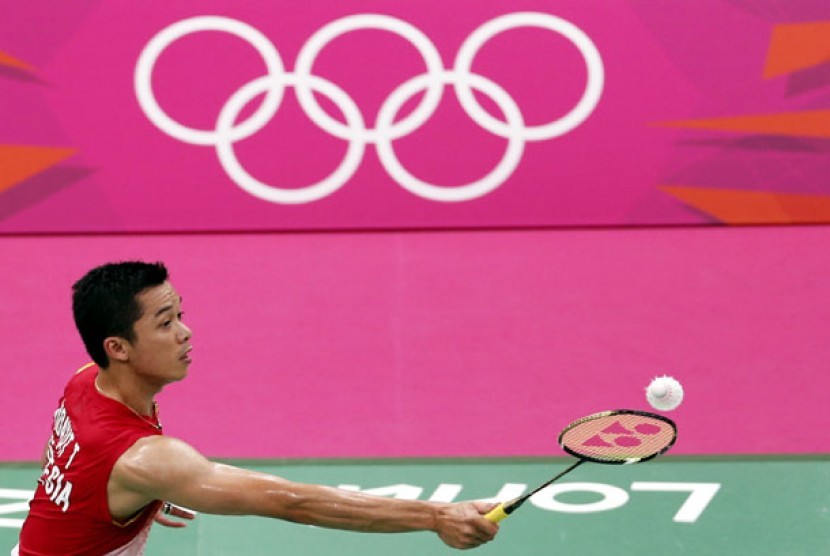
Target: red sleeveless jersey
{"points": [[69, 514]]}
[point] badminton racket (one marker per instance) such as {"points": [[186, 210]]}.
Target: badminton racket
{"points": [[619, 437]]}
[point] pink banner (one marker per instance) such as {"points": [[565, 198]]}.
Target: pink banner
{"points": [[446, 343], [368, 114]]}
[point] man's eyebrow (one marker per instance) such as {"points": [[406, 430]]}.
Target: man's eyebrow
{"points": [[165, 308]]}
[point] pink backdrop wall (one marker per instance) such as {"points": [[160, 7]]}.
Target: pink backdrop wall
{"points": [[501, 314], [450, 343]]}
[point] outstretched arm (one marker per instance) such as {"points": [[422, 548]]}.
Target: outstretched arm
{"points": [[165, 468]]}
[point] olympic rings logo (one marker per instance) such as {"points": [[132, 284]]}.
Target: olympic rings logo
{"points": [[386, 129]]}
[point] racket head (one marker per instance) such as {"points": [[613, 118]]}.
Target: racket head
{"points": [[621, 436]]}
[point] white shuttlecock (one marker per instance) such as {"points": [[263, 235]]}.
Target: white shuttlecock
{"points": [[664, 393]]}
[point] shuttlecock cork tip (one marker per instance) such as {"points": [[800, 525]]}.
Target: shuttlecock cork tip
{"points": [[659, 390], [664, 393]]}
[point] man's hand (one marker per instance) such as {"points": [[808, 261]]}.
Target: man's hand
{"points": [[167, 509], [463, 525]]}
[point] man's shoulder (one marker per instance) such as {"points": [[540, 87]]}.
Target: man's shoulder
{"points": [[153, 448], [88, 366], [83, 376], [155, 463]]}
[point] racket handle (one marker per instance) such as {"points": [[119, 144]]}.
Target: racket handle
{"points": [[496, 514]]}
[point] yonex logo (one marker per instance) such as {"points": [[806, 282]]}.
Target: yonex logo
{"points": [[620, 436], [385, 129]]}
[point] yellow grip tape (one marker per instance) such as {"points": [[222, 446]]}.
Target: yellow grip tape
{"points": [[496, 514]]}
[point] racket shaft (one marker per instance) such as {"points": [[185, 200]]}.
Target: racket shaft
{"points": [[506, 508]]}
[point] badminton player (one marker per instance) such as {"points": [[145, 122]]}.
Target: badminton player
{"points": [[109, 472]]}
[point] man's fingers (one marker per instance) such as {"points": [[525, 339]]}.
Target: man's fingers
{"points": [[484, 507], [479, 534], [168, 510], [167, 522], [183, 513]]}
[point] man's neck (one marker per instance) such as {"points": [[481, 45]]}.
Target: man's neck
{"points": [[122, 385]]}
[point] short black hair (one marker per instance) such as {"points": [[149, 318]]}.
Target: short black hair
{"points": [[104, 302]]}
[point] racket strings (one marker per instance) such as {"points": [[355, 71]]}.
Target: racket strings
{"points": [[618, 438]]}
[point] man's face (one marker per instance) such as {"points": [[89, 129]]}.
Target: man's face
{"points": [[160, 352]]}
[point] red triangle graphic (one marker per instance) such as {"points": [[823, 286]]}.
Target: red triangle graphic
{"points": [[11, 61], [807, 123], [797, 46], [754, 207], [20, 162]]}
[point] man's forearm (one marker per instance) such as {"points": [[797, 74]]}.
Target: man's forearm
{"points": [[341, 509]]}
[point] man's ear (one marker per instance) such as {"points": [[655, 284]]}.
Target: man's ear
{"points": [[116, 348]]}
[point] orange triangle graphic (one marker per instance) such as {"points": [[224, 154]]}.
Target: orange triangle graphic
{"points": [[731, 206], [6, 60], [811, 123], [797, 46], [19, 162]]}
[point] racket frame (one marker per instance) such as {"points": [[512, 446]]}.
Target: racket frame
{"points": [[507, 508], [612, 413]]}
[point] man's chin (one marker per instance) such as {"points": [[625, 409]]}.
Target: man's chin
{"points": [[181, 374]]}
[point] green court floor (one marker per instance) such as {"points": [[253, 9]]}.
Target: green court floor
{"points": [[673, 506]]}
